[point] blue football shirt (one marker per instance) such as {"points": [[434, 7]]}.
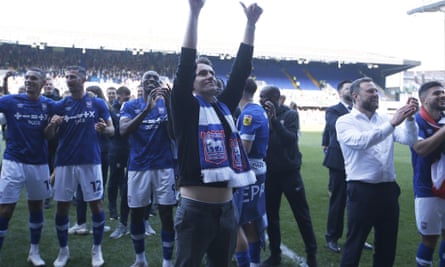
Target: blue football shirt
{"points": [[26, 120], [150, 144], [78, 140]]}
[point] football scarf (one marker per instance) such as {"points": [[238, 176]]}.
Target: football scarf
{"points": [[222, 156]]}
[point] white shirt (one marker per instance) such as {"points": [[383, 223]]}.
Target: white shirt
{"points": [[368, 145]]}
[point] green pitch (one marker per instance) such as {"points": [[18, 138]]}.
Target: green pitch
{"points": [[119, 253]]}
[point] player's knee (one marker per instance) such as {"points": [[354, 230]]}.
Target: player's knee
{"points": [[166, 216]]}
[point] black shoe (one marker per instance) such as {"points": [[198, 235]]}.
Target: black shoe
{"points": [[47, 203], [367, 246], [114, 216], [333, 246], [271, 261], [311, 261]]}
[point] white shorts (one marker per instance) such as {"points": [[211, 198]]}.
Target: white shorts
{"points": [[143, 184], [89, 176], [430, 215], [15, 175]]}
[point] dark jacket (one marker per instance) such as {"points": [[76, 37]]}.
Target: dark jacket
{"points": [[334, 157], [119, 146], [185, 109], [283, 153]]}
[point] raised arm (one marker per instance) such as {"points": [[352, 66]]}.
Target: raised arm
{"points": [[253, 13], [191, 33], [5, 82]]}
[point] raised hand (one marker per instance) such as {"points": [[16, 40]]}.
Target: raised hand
{"points": [[196, 5], [253, 13]]}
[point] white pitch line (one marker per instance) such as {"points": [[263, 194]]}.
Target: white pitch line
{"points": [[293, 256], [285, 251]]}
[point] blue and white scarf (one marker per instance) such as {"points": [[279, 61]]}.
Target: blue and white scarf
{"points": [[222, 159]]}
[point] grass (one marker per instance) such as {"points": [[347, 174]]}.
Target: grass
{"points": [[118, 253]]}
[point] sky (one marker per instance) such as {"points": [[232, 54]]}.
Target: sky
{"points": [[287, 27]]}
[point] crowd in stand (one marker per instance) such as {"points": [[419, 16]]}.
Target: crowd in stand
{"points": [[207, 150], [101, 65]]}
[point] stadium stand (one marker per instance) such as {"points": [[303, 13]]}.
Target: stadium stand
{"points": [[307, 83]]}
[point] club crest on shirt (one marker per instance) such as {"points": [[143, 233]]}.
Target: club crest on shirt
{"points": [[247, 120], [214, 147], [89, 104]]}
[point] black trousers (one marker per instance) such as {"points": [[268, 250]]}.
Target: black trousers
{"points": [[337, 205], [291, 185], [368, 206]]}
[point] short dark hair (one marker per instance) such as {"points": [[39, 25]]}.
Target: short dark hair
{"points": [[78, 69], [340, 84], [250, 87], [204, 60], [424, 87], [355, 85], [272, 91], [123, 90], [96, 90], [42, 73]]}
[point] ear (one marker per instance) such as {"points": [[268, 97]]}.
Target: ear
{"points": [[354, 96]]}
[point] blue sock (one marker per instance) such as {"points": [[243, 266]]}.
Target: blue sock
{"points": [[98, 227], [62, 225], [168, 240], [4, 222], [35, 226], [424, 255], [255, 251], [242, 258], [442, 254], [138, 236]]}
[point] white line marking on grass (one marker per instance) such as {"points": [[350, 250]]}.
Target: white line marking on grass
{"points": [[285, 251]]}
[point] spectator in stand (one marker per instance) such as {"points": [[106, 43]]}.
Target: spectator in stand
{"points": [[80, 119], [204, 128], [118, 158], [151, 167], [25, 160]]}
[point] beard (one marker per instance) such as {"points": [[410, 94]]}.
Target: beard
{"points": [[371, 105], [437, 106], [347, 98]]}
